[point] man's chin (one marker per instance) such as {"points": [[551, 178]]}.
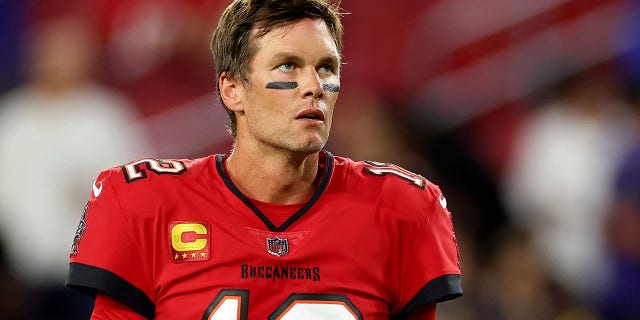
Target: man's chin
{"points": [[310, 147], [307, 150]]}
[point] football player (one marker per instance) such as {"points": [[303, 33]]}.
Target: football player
{"points": [[279, 228]]}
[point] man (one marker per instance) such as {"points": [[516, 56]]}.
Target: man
{"points": [[280, 228]]}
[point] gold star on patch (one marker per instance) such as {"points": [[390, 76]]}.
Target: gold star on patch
{"points": [[203, 254], [184, 256]]}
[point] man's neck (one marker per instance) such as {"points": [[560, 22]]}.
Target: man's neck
{"points": [[280, 178]]}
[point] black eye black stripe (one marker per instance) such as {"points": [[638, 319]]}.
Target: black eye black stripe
{"points": [[289, 85], [282, 85], [331, 87]]}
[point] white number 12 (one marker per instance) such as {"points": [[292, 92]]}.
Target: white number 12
{"points": [[233, 305]]}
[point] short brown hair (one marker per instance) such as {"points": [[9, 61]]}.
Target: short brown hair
{"points": [[232, 46]]}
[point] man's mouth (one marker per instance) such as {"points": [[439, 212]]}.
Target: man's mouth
{"points": [[312, 114]]}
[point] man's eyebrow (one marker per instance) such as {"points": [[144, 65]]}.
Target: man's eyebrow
{"points": [[331, 60], [285, 56]]}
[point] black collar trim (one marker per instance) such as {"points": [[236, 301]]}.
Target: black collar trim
{"points": [[321, 188]]}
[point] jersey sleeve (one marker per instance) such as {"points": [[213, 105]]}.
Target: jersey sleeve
{"points": [[107, 308], [432, 271], [106, 258]]}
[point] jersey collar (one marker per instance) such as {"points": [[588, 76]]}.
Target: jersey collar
{"points": [[326, 160]]}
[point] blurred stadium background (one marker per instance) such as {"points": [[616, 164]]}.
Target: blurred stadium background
{"points": [[526, 113]]}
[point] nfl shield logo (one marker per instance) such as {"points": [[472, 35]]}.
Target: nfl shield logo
{"points": [[277, 246]]}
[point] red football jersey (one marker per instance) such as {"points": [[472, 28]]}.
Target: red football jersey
{"points": [[175, 239]]}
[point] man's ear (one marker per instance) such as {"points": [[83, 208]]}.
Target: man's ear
{"points": [[230, 92]]}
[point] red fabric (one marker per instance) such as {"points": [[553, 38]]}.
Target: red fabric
{"points": [[427, 312], [107, 308], [369, 244]]}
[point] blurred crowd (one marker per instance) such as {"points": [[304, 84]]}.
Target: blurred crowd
{"points": [[526, 113]]}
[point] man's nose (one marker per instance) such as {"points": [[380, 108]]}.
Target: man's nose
{"points": [[310, 84]]}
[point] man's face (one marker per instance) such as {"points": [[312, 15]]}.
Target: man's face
{"points": [[293, 87]]}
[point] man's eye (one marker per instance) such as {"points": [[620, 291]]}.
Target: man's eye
{"points": [[326, 68], [286, 67]]}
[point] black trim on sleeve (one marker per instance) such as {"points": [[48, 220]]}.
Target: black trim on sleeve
{"points": [[89, 280], [440, 289]]}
